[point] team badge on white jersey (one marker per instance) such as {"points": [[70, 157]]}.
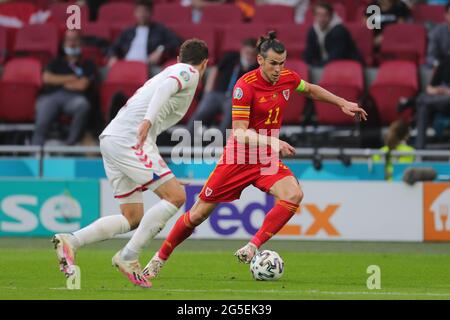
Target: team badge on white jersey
{"points": [[185, 76]]}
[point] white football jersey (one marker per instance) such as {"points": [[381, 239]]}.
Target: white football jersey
{"points": [[128, 119]]}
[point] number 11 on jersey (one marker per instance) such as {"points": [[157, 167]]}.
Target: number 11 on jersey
{"points": [[275, 120]]}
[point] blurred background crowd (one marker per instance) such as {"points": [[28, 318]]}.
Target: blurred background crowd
{"points": [[61, 86]]}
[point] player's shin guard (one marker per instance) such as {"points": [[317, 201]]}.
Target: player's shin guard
{"points": [[274, 221], [182, 229]]}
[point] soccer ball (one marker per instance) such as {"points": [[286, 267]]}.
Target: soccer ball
{"points": [[267, 265]]}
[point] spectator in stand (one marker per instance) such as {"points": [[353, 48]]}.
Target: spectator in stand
{"points": [[396, 140], [392, 11], [67, 80], [219, 86], [18, 14], [198, 5], [148, 41], [439, 41], [328, 39], [435, 102]]}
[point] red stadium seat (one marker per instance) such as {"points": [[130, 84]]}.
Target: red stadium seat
{"points": [[395, 79], [273, 14], [221, 14], [345, 79], [97, 29], [233, 35], [60, 15], [117, 13], [294, 38], [19, 86], [296, 105], [40, 41], [363, 38], [189, 30], [428, 13], [125, 76], [172, 13], [3, 44], [404, 41]]}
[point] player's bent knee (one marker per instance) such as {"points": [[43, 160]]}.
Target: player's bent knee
{"points": [[177, 198], [293, 196]]}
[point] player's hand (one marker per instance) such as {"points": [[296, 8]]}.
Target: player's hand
{"points": [[155, 57], [286, 149], [142, 133], [352, 109]]}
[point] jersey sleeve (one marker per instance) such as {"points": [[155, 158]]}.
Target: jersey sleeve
{"points": [[185, 76], [242, 100], [299, 83]]}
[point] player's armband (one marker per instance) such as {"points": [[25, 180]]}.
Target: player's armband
{"points": [[301, 87], [240, 112]]}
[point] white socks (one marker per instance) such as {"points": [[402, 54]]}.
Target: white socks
{"points": [[101, 229], [151, 224]]}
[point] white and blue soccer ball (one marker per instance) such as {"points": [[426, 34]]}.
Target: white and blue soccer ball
{"points": [[267, 265]]}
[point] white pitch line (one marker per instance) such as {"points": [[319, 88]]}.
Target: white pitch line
{"points": [[309, 292]]}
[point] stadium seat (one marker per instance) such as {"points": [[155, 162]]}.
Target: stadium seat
{"points": [[19, 87], [189, 30], [172, 13], [395, 79], [296, 105], [221, 14], [294, 38], [117, 13], [363, 38], [423, 13], [273, 14], [40, 41], [59, 13], [3, 44], [233, 35], [125, 76], [345, 79], [96, 40], [404, 41]]}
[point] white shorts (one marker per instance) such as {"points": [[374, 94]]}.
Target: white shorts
{"points": [[131, 171]]}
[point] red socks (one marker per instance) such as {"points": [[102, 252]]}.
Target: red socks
{"points": [[275, 219], [182, 229]]}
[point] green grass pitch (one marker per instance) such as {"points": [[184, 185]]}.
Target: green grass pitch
{"points": [[207, 269]]}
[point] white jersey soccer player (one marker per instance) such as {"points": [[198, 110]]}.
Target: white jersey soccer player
{"points": [[133, 164]]}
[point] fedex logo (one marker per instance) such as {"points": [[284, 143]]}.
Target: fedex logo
{"points": [[229, 218]]}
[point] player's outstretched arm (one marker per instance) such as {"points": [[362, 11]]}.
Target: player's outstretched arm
{"points": [[352, 109]]}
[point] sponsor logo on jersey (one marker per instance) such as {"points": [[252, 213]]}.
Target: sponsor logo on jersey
{"points": [[238, 93], [185, 76], [262, 100]]}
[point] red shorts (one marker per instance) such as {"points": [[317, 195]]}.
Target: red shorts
{"points": [[227, 181]]}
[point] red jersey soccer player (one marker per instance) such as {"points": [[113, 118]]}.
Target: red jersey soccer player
{"points": [[259, 99]]}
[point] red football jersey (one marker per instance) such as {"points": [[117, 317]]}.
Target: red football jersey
{"points": [[261, 102]]}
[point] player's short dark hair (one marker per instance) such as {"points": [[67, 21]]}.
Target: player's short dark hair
{"points": [[325, 5], [270, 42], [193, 51], [145, 3], [249, 42]]}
